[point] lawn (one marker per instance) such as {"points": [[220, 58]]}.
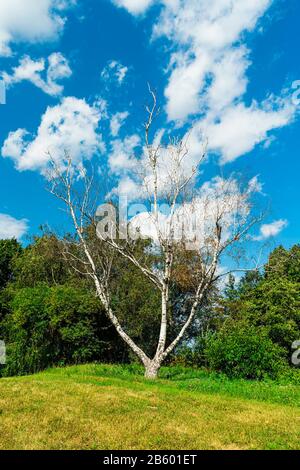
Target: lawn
{"points": [[113, 407]]}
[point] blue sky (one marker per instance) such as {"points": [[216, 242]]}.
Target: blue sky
{"points": [[225, 67]]}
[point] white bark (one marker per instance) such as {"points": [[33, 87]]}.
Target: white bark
{"points": [[152, 369]]}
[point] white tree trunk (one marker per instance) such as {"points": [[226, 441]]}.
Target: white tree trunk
{"points": [[163, 325], [151, 369]]}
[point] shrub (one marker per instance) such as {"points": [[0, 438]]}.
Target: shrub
{"points": [[244, 351], [55, 326]]}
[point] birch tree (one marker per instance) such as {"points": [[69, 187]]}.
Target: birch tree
{"points": [[207, 221]]}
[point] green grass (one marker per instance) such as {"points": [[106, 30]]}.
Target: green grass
{"points": [[113, 407]]}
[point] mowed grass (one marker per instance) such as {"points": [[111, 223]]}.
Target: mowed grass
{"points": [[111, 407]]}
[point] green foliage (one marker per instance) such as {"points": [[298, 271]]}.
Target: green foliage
{"points": [[9, 249], [284, 263], [49, 314], [42, 262], [54, 325], [249, 282], [271, 300], [263, 320], [193, 355], [275, 304], [241, 350], [137, 304]]}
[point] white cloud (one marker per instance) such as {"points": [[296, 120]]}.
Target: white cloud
{"points": [[205, 34], [149, 228], [134, 7], [186, 80], [241, 128], [56, 69], [11, 227], [229, 81], [127, 187], [117, 121], [122, 158], [272, 230], [30, 21], [114, 71], [211, 24], [70, 126], [208, 73]]}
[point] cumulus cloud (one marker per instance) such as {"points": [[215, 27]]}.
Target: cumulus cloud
{"points": [[272, 230], [134, 7], [207, 71], [11, 227], [215, 69], [255, 185], [56, 68], [114, 72], [117, 121], [31, 21], [186, 80], [122, 157], [229, 81], [70, 126], [128, 187], [241, 128], [214, 24]]}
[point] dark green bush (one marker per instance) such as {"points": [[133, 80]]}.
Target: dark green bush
{"points": [[244, 351], [55, 325]]}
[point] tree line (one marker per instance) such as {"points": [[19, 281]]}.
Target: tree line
{"points": [[50, 315]]}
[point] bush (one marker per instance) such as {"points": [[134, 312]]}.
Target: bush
{"points": [[244, 351], [55, 326]]}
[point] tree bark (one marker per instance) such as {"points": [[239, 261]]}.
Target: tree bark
{"points": [[151, 370]]}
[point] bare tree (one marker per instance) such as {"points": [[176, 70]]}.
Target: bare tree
{"points": [[207, 221]]}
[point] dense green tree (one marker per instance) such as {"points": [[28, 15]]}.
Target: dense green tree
{"points": [[275, 304], [230, 291], [42, 262], [57, 325], [270, 300], [9, 250], [284, 263], [249, 282]]}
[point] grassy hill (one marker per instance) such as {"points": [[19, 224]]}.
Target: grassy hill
{"points": [[113, 407]]}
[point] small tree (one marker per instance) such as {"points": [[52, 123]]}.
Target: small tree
{"points": [[200, 226]]}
